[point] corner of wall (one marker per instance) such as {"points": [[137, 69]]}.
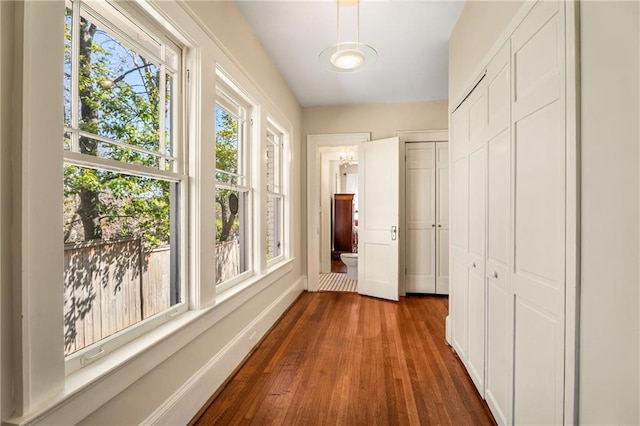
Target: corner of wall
{"points": [[6, 83]]}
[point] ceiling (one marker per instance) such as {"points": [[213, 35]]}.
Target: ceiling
{"points": [[411, 38]]}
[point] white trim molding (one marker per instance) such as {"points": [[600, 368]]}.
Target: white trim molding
{"points": [[441, 135]]}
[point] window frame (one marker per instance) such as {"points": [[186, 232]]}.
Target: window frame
{"points": [[278, 191], [233, 99], [105, 14]]}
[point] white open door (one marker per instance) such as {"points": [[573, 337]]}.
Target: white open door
{"points": [[378, 192]]}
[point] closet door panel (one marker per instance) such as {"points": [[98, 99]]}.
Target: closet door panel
{"points": [[540, 197], [477, 170], [499, 348], [459, 283], [478, 117], [538, 279], [499, 196], [442, 259], [498, 91], [442, 218], [459, 207], [460, 307], [499, 344], [421, 218], [459, 133], [476, 356], [459, 274], [538, 57]]}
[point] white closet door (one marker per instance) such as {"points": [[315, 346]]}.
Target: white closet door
{"points": [[476, 267], [442, 218], [478, 122], [459, 300], [499, 341], [421, 217], [539, 180]]}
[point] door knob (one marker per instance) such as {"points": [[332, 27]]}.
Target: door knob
{"points": [[474, 264], [439, 226], [495, 274], [433, 225], [394, 233]]}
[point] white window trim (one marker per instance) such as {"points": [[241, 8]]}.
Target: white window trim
{"points": [[283, 190], [230, 97]]}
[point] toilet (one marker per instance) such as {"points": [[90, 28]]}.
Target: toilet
{"points": [[351, 260]]}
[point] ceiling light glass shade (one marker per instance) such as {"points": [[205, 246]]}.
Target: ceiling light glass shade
{"points": [[348, 57]]}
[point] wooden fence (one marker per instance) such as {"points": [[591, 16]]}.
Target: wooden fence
{"points": [[227, 260], [110, 285]]}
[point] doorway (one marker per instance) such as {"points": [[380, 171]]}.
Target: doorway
{"points": [[318, 213], [339, 224]]}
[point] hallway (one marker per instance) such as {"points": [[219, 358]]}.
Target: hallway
{"points": [[347, 359]]}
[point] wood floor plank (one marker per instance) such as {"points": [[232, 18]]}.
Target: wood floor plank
{"points": [[345, 359]]}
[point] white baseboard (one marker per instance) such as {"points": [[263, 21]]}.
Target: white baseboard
{"points": [[195, 392], [305, 283], [447, 329]]}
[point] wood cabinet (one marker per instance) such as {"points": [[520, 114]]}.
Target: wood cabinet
{"points": [[342, 224]]}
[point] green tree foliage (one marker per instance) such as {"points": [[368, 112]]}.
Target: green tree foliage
{"points": [[119, 99], [101, 204], [227, 221]]}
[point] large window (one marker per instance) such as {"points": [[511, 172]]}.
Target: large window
{"points": [[123, 176], [233, 188], [275, 194]]}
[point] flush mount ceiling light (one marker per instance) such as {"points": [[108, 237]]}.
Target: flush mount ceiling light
{"points": [[348, 56]]}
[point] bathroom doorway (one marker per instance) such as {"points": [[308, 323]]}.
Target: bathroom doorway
{"points": [[339, 213], [322, 150]]}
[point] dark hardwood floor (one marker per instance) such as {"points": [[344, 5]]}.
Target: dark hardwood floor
{"points": [[340, 358]]}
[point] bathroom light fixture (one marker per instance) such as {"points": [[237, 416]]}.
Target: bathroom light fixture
{"points": [[348, 56], [346, 157]]}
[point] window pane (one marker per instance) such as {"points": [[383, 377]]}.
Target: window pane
{"points": [[117, 252], [118, 88], [168, 110], [232, 243], [274, 226], [226, 141], [119, 152], [274, 155], [68, 18], [67, 141], [226, 178]]}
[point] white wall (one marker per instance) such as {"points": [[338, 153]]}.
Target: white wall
{"points": [[6, 52], [479, 26], [609, 339], [144, 396], [381, 120]]}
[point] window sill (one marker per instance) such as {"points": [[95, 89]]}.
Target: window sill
{"points": [[92, 386]]}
